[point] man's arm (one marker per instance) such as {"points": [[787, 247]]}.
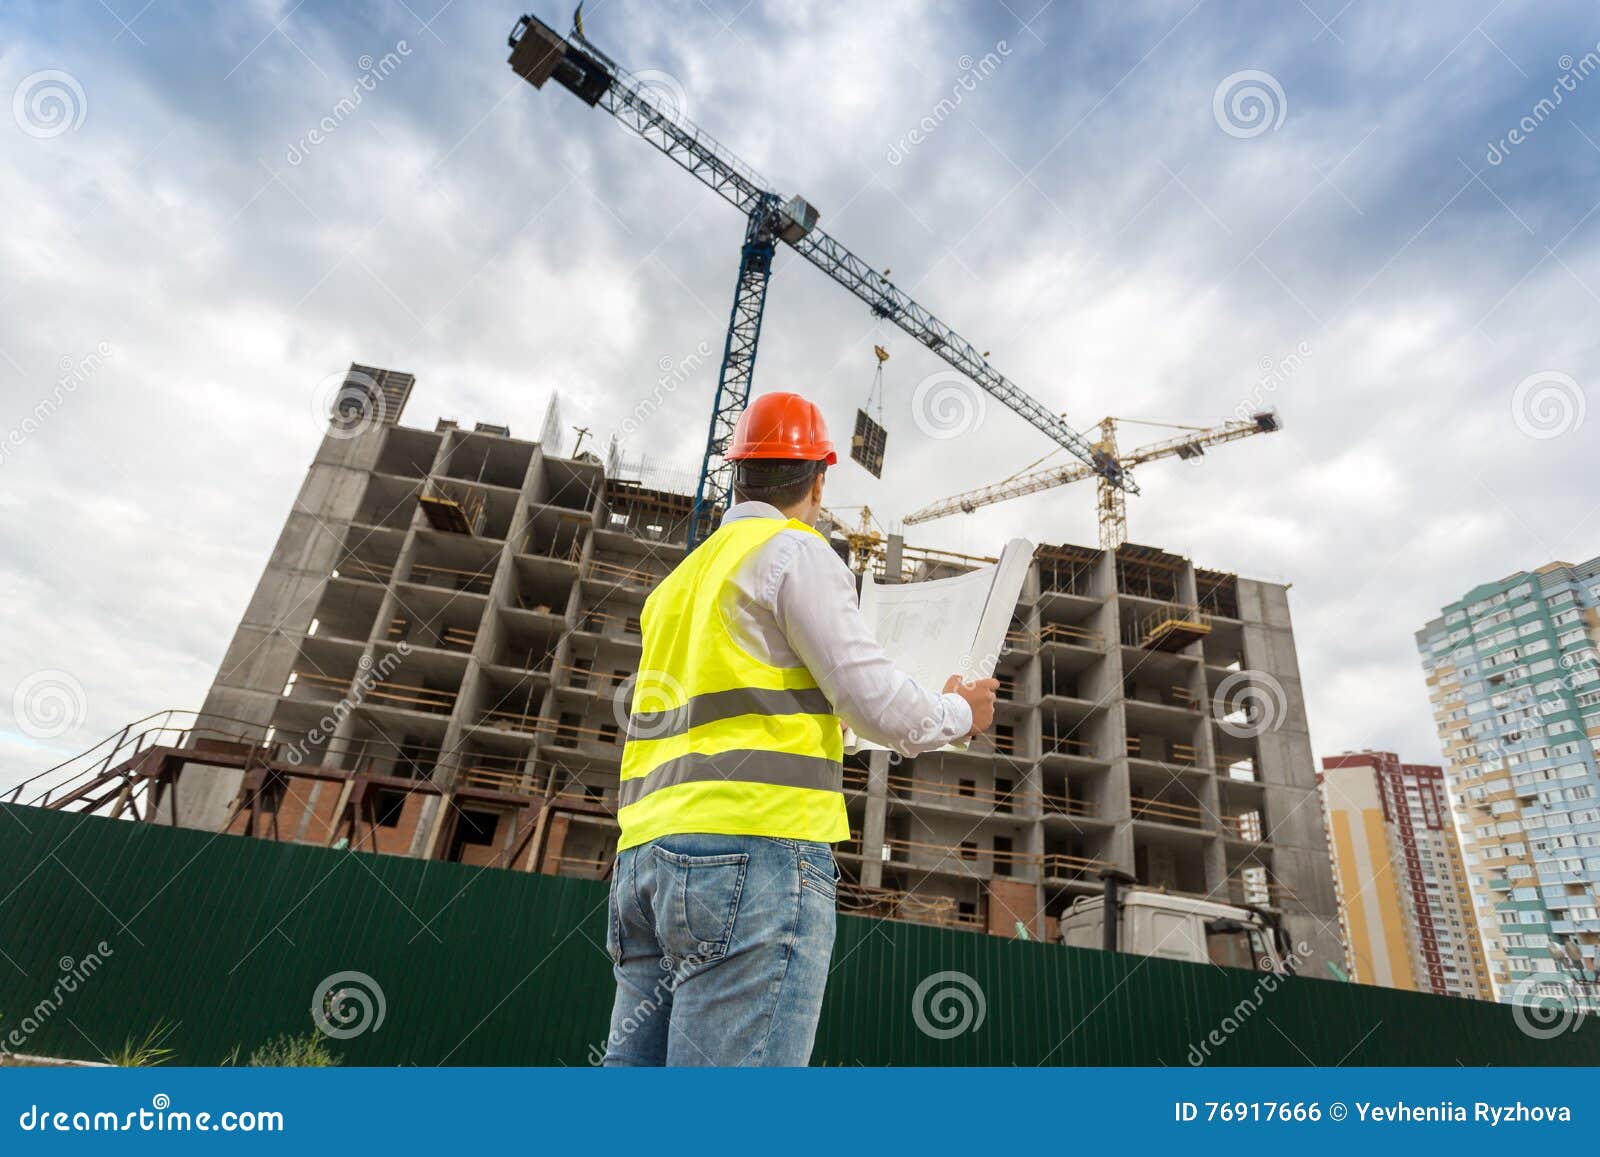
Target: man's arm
{"points": [[814, 602]]}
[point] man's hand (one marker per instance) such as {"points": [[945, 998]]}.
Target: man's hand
{"points": [[979, 694]]}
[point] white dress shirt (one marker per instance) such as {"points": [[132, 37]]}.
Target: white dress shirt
{"points": [[793, 603]]}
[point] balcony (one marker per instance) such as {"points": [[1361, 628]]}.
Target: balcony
{"points": [[1170, 627]]}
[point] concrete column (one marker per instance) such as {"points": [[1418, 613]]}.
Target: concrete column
{"points": [[875, 817]]}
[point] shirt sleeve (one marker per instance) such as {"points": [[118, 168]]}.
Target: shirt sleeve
{"points": [[813, 598]]}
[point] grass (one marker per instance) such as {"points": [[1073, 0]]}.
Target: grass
{"points": [[293, 1052], [149, 1050]]}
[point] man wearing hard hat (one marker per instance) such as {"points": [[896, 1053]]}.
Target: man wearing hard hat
{"points": [[721, 918]]}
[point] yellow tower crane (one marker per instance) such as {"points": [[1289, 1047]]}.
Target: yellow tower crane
{"points": [[1111, 501], [865, 539]]}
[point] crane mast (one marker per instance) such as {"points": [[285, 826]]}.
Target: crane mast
{"points": [[540, 54]]}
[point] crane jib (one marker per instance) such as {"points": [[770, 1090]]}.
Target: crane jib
{"points": [[540, 54]]}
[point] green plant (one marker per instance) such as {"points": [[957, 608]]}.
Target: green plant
{"points": [[294, 1052], [151, 1049]]}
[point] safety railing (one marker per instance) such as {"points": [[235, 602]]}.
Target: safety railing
{"points": [[583, 867], [1175, 695], [402, 629], [1065, 866], [964, 856], [616, 628], [475, 582], [186, 729], [920, 790], [580, 678], [1166, 811], [897, 904], [1070, 635], [410, 697], [554, 730], [1175, 753], [628, 576], [1061, 803], [1172, 627], [1066, 745]]}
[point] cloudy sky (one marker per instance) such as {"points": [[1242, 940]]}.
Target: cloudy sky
{"points": [[1143, 209]]}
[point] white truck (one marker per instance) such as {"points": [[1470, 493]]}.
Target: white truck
{"points": [[1154, 923]]}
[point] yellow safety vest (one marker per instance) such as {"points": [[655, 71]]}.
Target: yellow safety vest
{"points": [[719, 742]]}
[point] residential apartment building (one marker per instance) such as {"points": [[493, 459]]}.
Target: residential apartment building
{"points": [[1515, 686], [1402, 887]]}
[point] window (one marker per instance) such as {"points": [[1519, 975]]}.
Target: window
{"points": [[387, 804], [473, 829]]}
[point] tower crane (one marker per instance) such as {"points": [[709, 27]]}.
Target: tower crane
{"points": [[865, 539], [540, 54], [1111, 501]]}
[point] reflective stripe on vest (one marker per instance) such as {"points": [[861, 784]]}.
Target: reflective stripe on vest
{"points": [[718, 741]]}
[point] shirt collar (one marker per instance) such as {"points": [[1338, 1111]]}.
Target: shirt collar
{"points": [[743, 510]]}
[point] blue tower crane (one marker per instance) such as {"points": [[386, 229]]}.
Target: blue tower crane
{"points": [[540, 54]]}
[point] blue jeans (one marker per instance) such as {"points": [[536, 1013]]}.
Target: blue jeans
{"points": [[720, 945]]}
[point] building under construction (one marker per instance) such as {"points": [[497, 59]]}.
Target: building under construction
{"points": [[436, 663]]}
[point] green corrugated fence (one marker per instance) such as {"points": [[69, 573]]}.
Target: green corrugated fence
{"points": [[109, 929]]}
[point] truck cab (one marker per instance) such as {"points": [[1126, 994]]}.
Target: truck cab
{"points": [[1153, 923]]}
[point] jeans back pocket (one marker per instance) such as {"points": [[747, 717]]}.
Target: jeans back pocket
{"points": [[696, 924]]}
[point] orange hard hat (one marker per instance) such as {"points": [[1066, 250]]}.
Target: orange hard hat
{"points": [[781, 426]]}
